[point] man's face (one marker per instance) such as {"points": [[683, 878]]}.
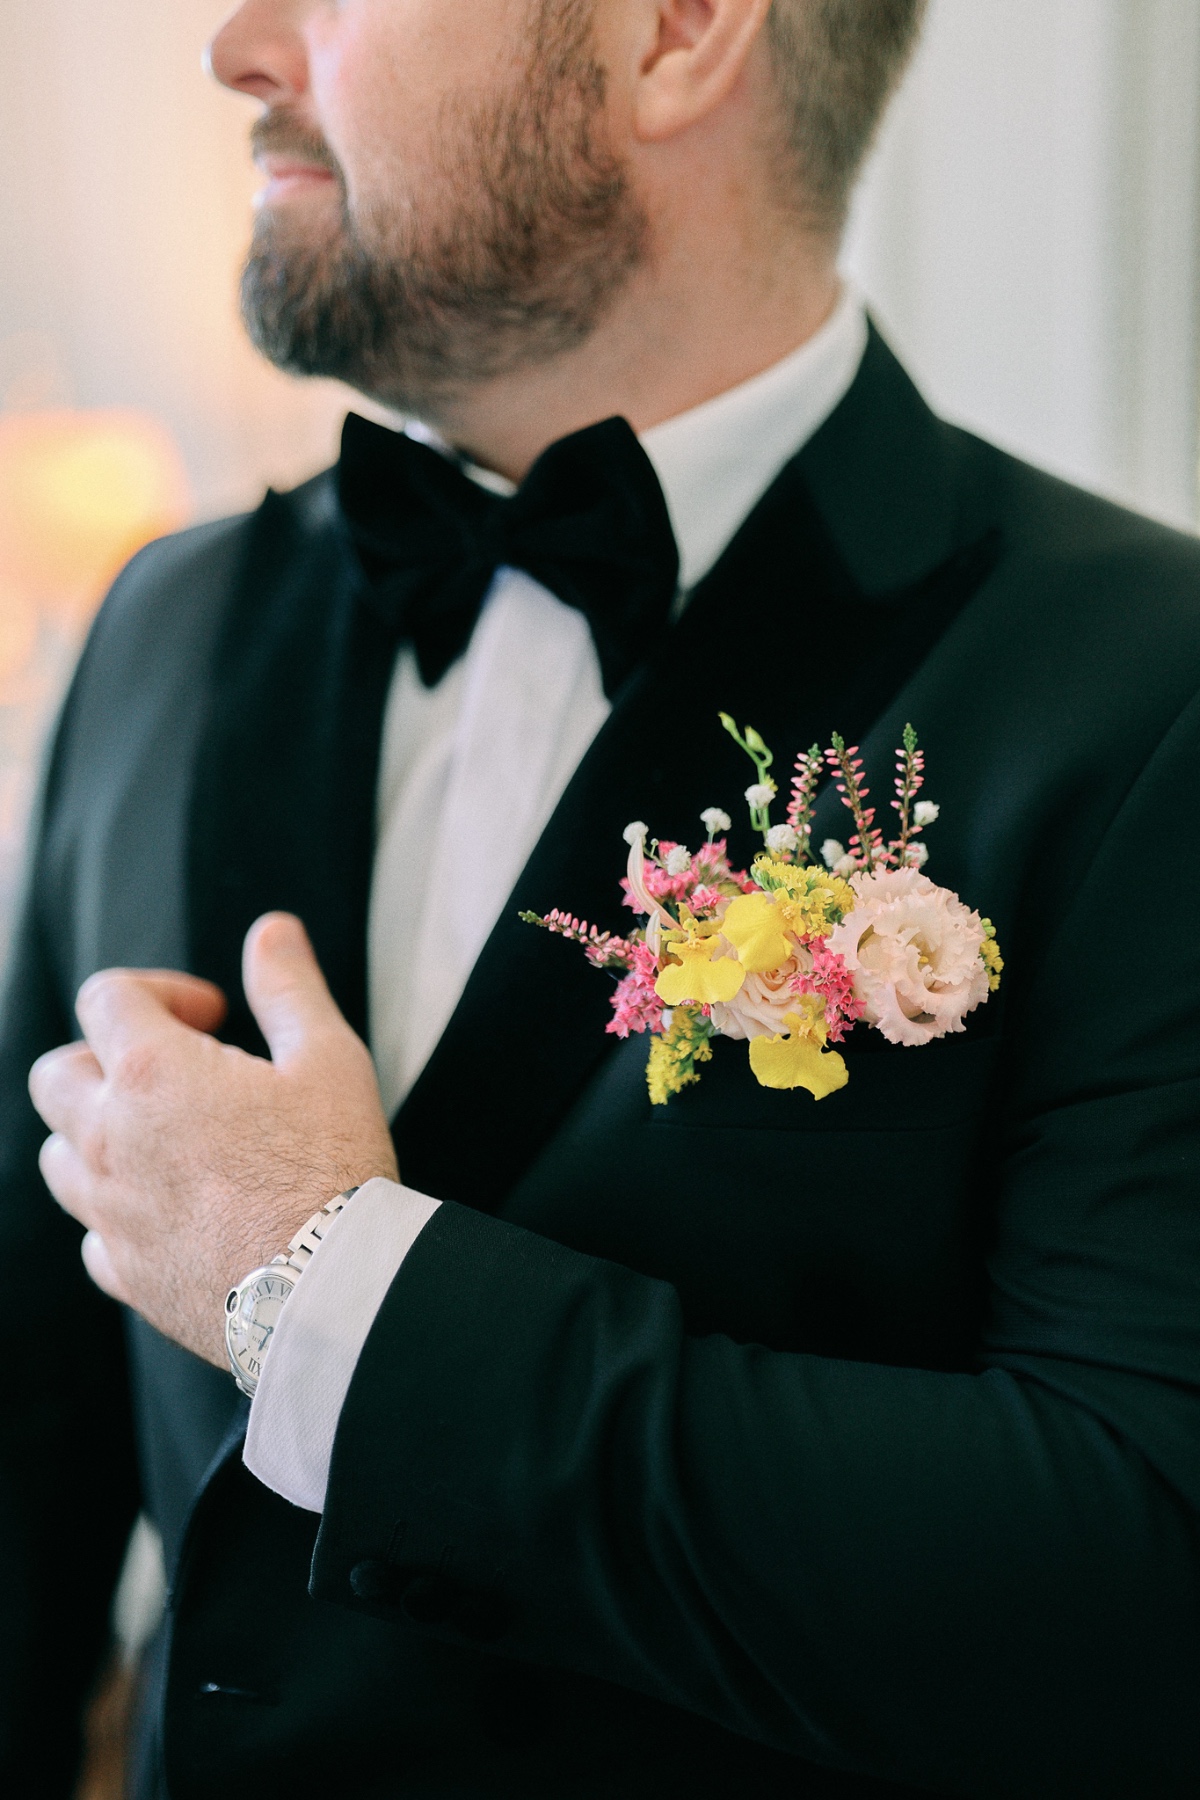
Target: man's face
{"points": [[443, 203]]}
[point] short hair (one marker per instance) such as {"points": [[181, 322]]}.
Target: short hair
{"points": [[837, 63]]}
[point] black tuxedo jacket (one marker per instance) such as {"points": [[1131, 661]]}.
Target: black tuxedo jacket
{"points": [[746, 1447]]}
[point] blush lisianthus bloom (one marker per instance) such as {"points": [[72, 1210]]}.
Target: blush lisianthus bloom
{"points": [[915, 953]]}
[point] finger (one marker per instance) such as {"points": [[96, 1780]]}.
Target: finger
{"points": [[285, 987], [64, 1086], [196, 1003], [67, 1176], [99, 1266], [121, 1010], [118, 1006]]}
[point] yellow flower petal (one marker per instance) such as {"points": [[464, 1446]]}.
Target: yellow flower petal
{"points": [[757, 929], [798, 1061], [696, 976]]}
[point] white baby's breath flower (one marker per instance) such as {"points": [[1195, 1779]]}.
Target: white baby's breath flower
{"points": [[918, 855], [781, 838], [925, 812], [714, 820], [832, 852], [761, 794], [636, 833], [679, 860]]}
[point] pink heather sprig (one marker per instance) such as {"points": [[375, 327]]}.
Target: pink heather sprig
{"points": [[809, 768], [636, 1006], [603, 950], [831, 981], [866, 846], [910, 779]]}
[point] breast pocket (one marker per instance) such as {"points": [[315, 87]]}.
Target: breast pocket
{"points": [[892, 1088], [849, 1226]]}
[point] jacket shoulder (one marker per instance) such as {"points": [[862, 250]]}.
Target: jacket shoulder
{"points": [[1054, 523], [192, 575]]}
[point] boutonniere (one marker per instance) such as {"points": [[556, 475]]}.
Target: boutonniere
{"points": [[793, 953]]}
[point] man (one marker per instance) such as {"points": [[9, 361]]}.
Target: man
{"points": [[743, 1447]]}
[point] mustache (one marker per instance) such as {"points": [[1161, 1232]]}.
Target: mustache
{"points": [[283, 134]]}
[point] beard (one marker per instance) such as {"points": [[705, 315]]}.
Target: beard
{"points": [[514, 260]]}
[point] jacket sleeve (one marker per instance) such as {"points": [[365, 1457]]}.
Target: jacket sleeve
{"points": [[68, 1488], [984, 1582]]}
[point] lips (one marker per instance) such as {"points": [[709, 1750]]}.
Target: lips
{"points": [[287, 177]]}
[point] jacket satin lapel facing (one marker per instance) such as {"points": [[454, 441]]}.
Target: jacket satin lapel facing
{"points": [[781, 634], [283, 806]]}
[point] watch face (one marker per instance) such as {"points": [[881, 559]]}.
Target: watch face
{"points": [[251, 1315]]}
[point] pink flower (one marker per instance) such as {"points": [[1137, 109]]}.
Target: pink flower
{"points": [[912, 949], [833, 983], [636, 1006], [706, 901], [649, 883]]}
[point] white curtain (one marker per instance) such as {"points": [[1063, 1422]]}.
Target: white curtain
{"points": [[1029, 232]]}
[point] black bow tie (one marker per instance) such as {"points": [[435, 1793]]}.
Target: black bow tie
{"points": [[589, 522]]}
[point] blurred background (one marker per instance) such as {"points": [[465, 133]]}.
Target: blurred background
{"points": [[1028, 235]]}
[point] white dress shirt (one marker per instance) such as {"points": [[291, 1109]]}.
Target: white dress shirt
{"points": [[474, 768]]}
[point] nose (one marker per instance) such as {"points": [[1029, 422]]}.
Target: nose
{"points": [[260, 51]]}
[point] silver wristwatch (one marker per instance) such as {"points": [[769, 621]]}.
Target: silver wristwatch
{"points": [[252, 1309]]}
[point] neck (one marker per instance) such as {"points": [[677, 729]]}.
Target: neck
{"points": [[687, 327]]}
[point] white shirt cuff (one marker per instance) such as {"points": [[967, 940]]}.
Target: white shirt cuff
{"points": [[320, 1335]]}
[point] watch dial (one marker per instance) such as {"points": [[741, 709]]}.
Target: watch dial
{"points": [[252, 1325]]}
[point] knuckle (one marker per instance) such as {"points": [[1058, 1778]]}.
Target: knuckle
{"points": [[99, 987], [136, 1069]]}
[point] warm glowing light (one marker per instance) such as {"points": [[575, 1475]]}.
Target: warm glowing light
{"points": [[79, 493], [18, 634]]}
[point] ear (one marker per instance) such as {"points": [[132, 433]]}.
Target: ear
{"points": [[697, 57]]}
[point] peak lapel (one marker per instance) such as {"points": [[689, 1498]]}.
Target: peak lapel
{"points": [[284, 793], [785, 635]]}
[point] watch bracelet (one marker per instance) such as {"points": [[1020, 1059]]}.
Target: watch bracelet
{"points": [[302, 1248]]}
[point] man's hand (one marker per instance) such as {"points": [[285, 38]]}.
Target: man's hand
{"points": [[190, 1162]]}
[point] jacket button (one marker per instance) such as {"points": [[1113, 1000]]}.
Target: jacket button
{"points": [[428, 1599], [483, 1617]]}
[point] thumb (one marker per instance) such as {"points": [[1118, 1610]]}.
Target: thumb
{"points": [[285, 987]]}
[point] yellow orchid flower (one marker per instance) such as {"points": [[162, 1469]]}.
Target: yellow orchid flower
{"points": [[801, 1059], [758, 930], [696, 976]]}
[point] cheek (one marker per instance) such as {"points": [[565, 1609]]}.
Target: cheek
{"points": [[382, 71]]}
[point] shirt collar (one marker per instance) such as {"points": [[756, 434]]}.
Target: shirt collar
{"points": [[716, 460]]}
